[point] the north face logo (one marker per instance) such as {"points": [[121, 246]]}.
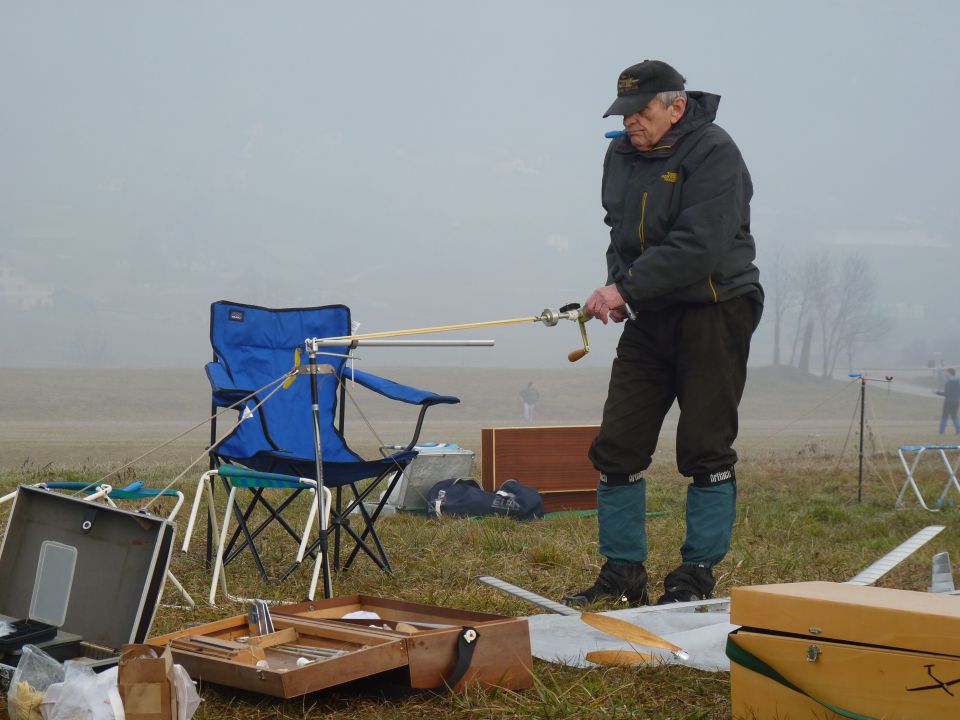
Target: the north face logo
{"points": [[670, 177]]}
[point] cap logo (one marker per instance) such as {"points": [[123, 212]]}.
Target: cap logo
{"points": [[627, 85]]}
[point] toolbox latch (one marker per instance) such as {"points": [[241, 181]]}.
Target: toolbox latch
{"points": [[86, 524], [813, 652], [466, 644]]}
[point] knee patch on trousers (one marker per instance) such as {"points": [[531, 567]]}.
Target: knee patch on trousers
{"points": [[717, 477], [614, 479]]}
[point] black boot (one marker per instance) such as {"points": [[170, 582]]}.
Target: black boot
{"points": [[687, 583], [618, 582]]}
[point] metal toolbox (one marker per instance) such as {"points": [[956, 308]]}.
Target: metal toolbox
{"points": [[98, 569], [434, 462], [423, 643]]}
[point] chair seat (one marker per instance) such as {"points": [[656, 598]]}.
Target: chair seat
{"points": [[280, 465]]}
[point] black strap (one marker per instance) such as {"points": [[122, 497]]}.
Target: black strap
{"points": [[86, 524], [466, 644]]}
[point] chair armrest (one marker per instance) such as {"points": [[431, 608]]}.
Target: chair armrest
{"points": [[225, 392], [396, 391]]}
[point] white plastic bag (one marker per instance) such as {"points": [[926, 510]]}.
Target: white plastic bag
{"points": [[188, 700], [35, 672], [83, 695]]}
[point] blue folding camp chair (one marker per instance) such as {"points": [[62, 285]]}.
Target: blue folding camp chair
{"points": [[254, 347]]}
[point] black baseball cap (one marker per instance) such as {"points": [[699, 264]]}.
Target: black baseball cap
{"points": [[640, 83]]}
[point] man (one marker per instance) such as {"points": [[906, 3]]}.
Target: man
{"points": [[680, 266], [529, 395], [951, 401]]}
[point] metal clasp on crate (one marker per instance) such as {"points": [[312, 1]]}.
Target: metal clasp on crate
{"points": [[319, 369]]}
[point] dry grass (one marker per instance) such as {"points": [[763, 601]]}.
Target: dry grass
{"points": [[798, 519]]}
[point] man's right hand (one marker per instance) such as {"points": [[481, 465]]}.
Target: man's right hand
{"points": [[605, 304]]}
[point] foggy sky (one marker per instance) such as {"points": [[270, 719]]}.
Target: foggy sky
{"points": [[430, 163]]}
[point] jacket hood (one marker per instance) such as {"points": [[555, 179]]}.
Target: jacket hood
{"points": [[701, 110]]}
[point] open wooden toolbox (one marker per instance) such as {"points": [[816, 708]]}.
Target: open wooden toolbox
{"points": [[314, 647]]}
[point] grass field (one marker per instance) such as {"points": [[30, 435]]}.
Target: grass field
{"points": [[798, 515]]}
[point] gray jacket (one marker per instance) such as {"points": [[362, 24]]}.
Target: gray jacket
{"points": [[679, 216]]}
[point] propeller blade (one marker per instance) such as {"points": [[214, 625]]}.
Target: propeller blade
{"points": [[628, 631], [619, 658]]}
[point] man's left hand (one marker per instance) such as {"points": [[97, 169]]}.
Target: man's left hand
{"points": [[606, 304]]}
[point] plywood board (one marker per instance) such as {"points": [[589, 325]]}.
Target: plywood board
{"points": [[551, 459]]}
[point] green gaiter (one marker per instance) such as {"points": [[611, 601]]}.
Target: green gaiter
{"points": [[710, 515], [622, 512]]}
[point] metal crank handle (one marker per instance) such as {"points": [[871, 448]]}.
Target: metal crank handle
{"points": [[582, 318]]}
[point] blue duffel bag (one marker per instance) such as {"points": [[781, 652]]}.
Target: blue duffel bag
{"points": [[463, 497]]}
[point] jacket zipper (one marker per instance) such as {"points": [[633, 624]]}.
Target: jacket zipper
{"points": [[643, 212], [713, 290]]}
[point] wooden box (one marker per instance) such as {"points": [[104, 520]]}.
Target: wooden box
{"points": [[421, 639], [551, 459], [878, 652]]}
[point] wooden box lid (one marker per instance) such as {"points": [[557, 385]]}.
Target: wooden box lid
{"points": [[883, 617]]}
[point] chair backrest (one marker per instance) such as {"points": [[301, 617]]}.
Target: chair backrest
{"points": [[257, 345]]}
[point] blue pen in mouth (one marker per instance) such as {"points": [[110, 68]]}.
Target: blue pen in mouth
{"points": [[614, 134]]}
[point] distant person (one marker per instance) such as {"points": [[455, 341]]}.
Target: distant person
{"points": [[529, 395], [951, 400], [680, 272]]}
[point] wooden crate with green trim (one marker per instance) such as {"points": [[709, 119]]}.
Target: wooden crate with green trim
{"points": [[830, 650]]}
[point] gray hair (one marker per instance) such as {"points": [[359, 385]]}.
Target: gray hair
{"points": [[668, 96]]}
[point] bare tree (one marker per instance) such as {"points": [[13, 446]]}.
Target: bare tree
{"points": [[810, 280], [782, 290], [844, 308]]}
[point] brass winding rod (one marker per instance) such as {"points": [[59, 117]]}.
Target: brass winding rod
{"points": [[548, 317]]}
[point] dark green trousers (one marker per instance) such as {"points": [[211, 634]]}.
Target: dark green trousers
{"points": [[696, 355]]}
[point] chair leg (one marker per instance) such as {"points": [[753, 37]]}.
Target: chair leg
{"points": [[276, 513], [370, 520], [306, 546], [186, 596], [910, 483], [952, 479], [205, 479], [359, 544], [218, 563], [305, 539], [337, 527], [326, 499], [242, 518]]}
